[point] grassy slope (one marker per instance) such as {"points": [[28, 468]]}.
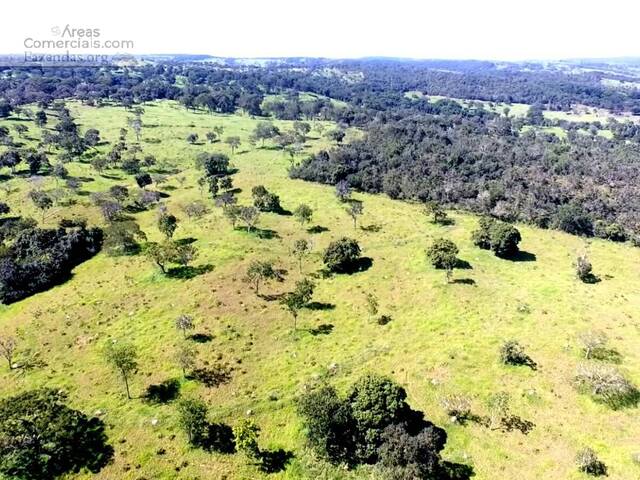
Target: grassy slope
{"points": [[443, 338]]}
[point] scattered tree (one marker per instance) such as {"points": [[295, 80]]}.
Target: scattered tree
{"points": [[123, 357]]}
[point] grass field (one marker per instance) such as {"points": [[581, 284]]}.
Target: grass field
{"points": [[443, 338]]}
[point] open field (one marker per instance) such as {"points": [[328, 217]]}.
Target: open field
{"points": [[443, 338]]}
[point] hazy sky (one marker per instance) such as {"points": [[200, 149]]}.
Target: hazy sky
{"points": [[484, 29]]}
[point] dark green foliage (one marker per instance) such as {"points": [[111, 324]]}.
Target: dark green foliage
{"points": [[571, 218], [329, 424], [167, 224], [443, 254], [123, 237], [341, 256], [39, 259], [372, 424], [213, 164], [376, 402], [499, 237], [4, 208], [613, 231], [143, 179], [265, 201], [41, 438], [404, 456], [193, 420]]}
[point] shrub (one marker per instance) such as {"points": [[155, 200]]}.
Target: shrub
{"points": [[341, 256], [457, 407], [442, 253], [264, 200], [606, 384], [593, 343], [512, 353], [571, 218], [613, 231], [192, 416], [42, 438], [499, 237], [405, 456], [329, 424], [584, 270], [589, 463]]}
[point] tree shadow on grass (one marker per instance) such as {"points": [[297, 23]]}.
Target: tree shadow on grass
{"points": [[373, 228], [456, 471], [317, 229], [463, 265], [320, 306], [591, 279], [211, 376], [219, 438], [523, 256], [464, 281], [261, 233], [324, 329], [273, 461], [271, 297], [201, 337], [186, 241], [163, 392], [188, 272]]}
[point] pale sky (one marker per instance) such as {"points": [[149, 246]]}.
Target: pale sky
{"points": [[481, 29]]}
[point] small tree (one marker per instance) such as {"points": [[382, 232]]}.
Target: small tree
{"points": [[186, 358], [246, 435], [248, 215], [192, 138], [123, 357], [512, 353], [443, 255], [606, 384], [436, 212], [7, 349], [301, 248], [167, 224], [184, 323], [260, 272], [41, 200], [372, 305], [211, 136], [354, 210], [233, 142], [303, 213], [343, 191], [192, 417], [294, 301]]}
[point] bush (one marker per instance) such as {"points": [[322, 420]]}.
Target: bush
{"points": [[42, 438], [572, 219], [341, 256], [265, 201], [606, 385], [329, 424], [588, 463], [584, 270], [512, 353], [405, 456], [442, 253], [499, 237], [457, 407], [612, 231]]}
